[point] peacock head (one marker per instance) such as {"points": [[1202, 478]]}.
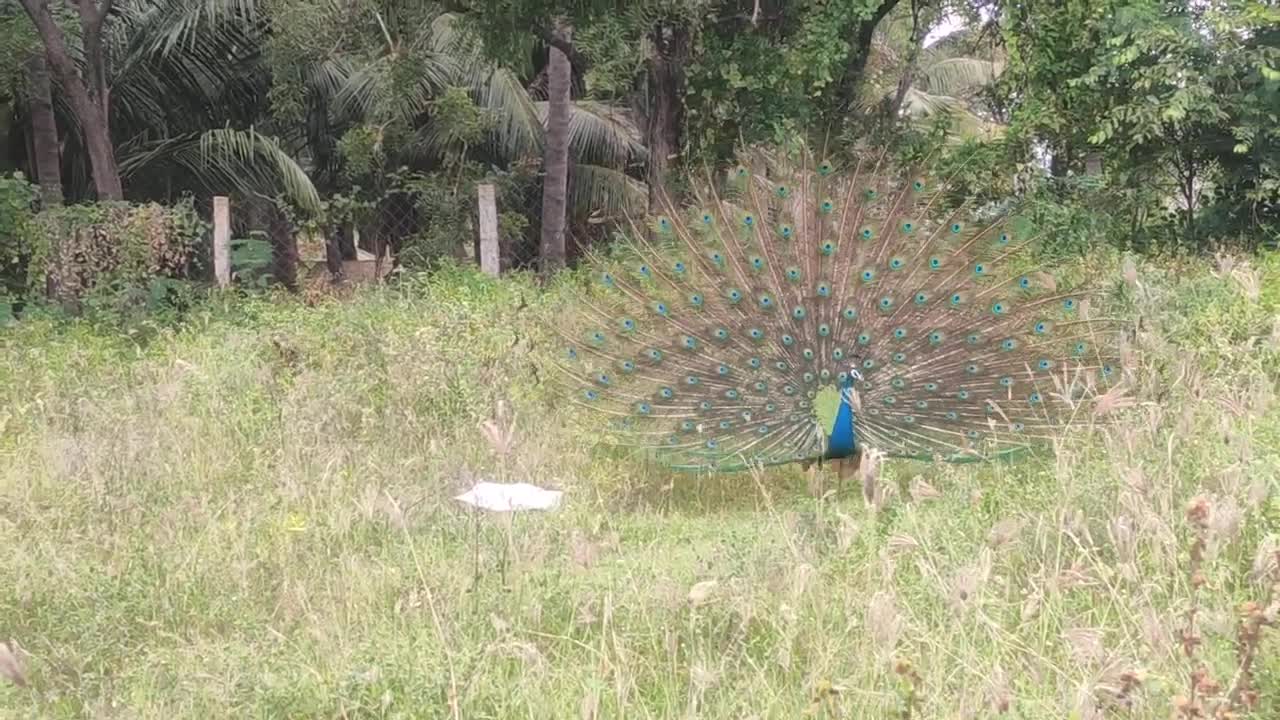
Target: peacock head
{"points": [[855, 373], [849, 391]]}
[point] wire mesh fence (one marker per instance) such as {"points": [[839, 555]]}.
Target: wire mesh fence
{"points": [[411, 227], [403, 228]]}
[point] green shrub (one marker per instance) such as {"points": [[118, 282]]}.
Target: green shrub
{"points": [[251, 259], [17, 213], [447, 204]]}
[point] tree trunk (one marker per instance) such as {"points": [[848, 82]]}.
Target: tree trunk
{"points": [[555, 184], [1093, 164], [1060, 162], [88, 94], [333, 253], [44, 132], [1189, 196], [666, 107], [852, 79], [347, 240], [284, 247], [909, 72], [102, 154]]}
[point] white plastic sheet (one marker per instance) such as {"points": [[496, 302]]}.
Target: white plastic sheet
{"points": [[509, 497]]}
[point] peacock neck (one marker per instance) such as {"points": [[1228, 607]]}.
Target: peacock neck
{"points": [[844, 436]]}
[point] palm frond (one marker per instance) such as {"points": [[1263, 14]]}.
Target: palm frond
{"points": [[918, 105], [226, 160], [518, 126], [174, 24], [208, 79], [600, 192], [363, 90], [959, 75], [328, 77], [600, 134]]}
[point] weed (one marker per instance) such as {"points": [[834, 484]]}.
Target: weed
{"points": [[251, 515]]}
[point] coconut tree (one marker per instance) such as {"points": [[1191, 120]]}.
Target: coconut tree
{"points": [[373, 90], [908, 77], [555, 184], [211, 96], [190, 106], [181, 87], [44, 130]]}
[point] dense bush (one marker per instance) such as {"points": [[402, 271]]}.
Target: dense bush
{"points": [[112, 254], [17, 213]]}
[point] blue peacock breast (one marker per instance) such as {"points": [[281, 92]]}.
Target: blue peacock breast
{"points": [[836, 419]]}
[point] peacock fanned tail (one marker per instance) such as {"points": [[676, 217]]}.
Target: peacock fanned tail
{"points": [[806, 311]]}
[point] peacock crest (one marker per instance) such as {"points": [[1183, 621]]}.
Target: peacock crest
{"points": [[805, 311]]}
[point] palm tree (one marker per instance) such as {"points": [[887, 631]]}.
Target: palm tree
{"points": [[949, 86], [910, 81], [44, 130], [603, 150], [190, 110], [184, 89], [192, 105], [556, 163]]}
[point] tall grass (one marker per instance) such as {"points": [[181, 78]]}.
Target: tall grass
{"points": [[250, 515]]}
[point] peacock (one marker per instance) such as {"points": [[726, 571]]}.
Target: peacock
{"points": [[802, 310]]}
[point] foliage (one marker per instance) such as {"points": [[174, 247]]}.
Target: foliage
{"points": [[794, 66], [17, 40], [1208, 104], [1180, 98], [312, 99], [226, 159], [251, 259], [18, 203], [447, 200], [113, 255]]}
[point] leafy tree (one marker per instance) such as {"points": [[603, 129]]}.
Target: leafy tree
{"points": [[28, 81], [763, 69], [1181, 100], [87, 87], [1193, 90], [907, 79]]}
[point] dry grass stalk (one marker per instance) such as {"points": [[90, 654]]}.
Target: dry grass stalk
{"points": [[873, 492], [500, 432], [885, 622], [11, 665], [1206, 696], [922, 490]]}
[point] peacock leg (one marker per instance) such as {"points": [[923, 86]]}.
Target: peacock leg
{"points": [[814, 480], [847, 468]]}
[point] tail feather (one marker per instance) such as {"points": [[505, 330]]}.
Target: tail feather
{"points": [[721, 335]]}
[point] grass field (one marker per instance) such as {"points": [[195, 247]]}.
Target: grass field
{"points": [[250, 516]]}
